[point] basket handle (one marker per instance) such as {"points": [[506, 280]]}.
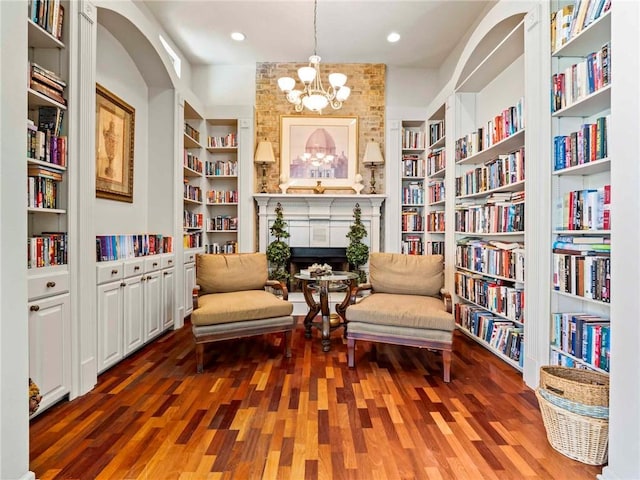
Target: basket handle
{"points": [[555, 390]]}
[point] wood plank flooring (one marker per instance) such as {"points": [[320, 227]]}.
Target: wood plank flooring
{"points": [[255, 415]]}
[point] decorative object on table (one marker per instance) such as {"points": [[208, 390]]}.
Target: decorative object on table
{"points": [[372, 158], [264, 156], [34, 397], [278, 251], [313, 96], [284, 183], [318, 188], [358, 185], [319, 148], [357, 252], [115, 133], [317, 270]]}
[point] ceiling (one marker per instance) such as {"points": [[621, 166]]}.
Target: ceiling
{"points": [[348, 31]]}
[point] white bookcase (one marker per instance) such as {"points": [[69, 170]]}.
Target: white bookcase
{"points": [[436, 163], [413, 191]]}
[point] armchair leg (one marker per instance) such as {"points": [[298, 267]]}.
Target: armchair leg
{"points": [[351, 352], [446, 365], [199, 357], [287, 343]]}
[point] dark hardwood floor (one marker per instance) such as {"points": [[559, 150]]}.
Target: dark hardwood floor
{"points": [[255, 415]]}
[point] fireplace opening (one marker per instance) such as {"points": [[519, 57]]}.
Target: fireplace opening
{"points": [[303, 257]]}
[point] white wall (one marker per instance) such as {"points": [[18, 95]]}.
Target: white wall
{"points": [[225, 84], [410, 87]]}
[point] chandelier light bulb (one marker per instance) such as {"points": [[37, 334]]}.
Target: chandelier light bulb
{"points": [[307, 74], [343, 94], [337, 79], [286, 84]]}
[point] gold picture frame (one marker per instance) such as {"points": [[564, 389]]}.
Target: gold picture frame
{"points": [[115, 131], [319, 149]]}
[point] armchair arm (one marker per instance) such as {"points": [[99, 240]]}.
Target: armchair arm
{"points": [[194, 296], [278, 285], [356, 289], [446, 297]]}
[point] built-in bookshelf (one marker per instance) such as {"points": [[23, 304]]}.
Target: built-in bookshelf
{"points": [[436, 162], [221, 196], [193, 179], [581, 184], [490, 185], [414, 188], [123, 246]]}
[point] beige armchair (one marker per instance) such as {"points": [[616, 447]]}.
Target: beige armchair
{"points": [[406, 306], [233, 302]]}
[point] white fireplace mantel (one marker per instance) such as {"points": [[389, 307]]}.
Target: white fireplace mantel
{"points": [[319, 220]]}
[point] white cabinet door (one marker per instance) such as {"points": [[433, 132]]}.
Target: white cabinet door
{"points": [[133, 314], [152, 305], [189, 284], [50, 347], [109, 324], [168, 297]]}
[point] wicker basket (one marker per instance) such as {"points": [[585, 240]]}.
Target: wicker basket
{"points": [[581, 438], [582, 386]]}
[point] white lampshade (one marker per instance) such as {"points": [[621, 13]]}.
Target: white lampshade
{"points": [[264, 153], [315, 102], [373, 155], [343, 94], [307, 74], [337, 79], [286, 84]]}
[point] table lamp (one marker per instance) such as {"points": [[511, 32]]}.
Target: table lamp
{"points": [[372, 158], [264, 155]]}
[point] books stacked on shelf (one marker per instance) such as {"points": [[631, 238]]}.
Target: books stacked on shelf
{"points": [[117, 247], [411, 220], [192, 132], [505, 260], [222, 197], [502, 126], [229, 140], [435, 221], [582, 336], [49, 15], [217, 248], [436, 191], [586, 274], [222, 223], [47, 249], [221, 168], [495, 295], [411, 245], [435, 248], [436, 131], [413, 194], [42, 189], [490, 217], [413, 165], [192, 240], [192, 162], [191, 220], [191, 192], [581, 79], [436, 161], [44, 140], [502, 171], [570, 20], [412, 139], [47, 83], [586, 145], [588, 209]]}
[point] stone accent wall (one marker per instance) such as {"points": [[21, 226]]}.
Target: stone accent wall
{"points": [[367, 102]]}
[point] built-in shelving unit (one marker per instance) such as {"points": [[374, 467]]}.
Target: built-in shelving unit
{"points": [[436, 163], [193, 184], [414, 192]]}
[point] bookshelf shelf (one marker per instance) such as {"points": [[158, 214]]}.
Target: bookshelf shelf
{"points": [[589, 39], [222, 204], [439, 174], [594, 102], [503, 147], [489, 347], [38, 37], [581, 299], [220, 176], [485, 274], [192, 202], [578, 360], [593, 167], [188, 172], [49, 165], [510, 187], [37, 99], [438, 143], [190, 142], [581, 232], [49, 211], [222, 149]]}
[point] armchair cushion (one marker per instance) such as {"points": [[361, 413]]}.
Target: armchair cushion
{"points": [[239, 306], [231, 273], [393, 273]]}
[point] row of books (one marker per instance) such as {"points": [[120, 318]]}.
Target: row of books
{"points": [[42, 192], [571, 19], [192, 132], [586, 145], [192, 162], [413, 194], [500, 127], [221, 168], [225, 248], [47, 83], [502, 171], [411, 245], [490, 258], [47, 249], [493, 295], [435, 221], [230, 140], [583, 336], [583, 275], [412, 165], [192, 240], [436, 131], [191, 220], [502, 335], [436, 191], [411, 220], [222, 222], [48, 14], [588, 209], [45, 147], [118, 247], [222, 196], [499, 218], [191, 192], [435, 248], [436, 161], [412, 139], [581, 79]]}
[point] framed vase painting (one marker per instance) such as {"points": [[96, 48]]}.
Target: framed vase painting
{"points": [[115, 130], [319, 148]]}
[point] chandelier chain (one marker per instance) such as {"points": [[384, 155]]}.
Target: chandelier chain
{"points": [[315, 27]]}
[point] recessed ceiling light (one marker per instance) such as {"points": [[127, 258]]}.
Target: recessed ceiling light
{"points": [[238, 36], [393, 37]]}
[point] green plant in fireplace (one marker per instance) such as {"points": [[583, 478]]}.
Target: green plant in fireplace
{"points": [[278, 251], [357, 252]]}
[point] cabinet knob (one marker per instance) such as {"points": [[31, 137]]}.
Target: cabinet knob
{"points": [[123, 284], [170, 262], [114, 271], [34, 308], [166, 273], [136, 268], [155, 264], [143, 279], [51, 284]]}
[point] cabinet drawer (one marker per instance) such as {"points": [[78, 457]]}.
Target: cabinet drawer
{"points": [[168, 261], [189, 257], [152, 264], [133, 267], [109, 271], [47, 284]]}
